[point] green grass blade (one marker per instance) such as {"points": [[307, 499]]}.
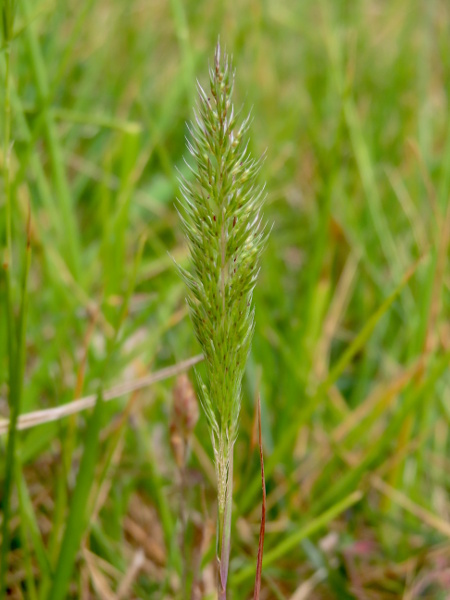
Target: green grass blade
{"points": [[55, 150], [78, 517], [16, 338]]}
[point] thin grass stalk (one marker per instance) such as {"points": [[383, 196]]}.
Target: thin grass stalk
{"points": [[9, 467], [220, 215], [16, 345], [7, 157], [262, 529], [7, 22], [25, 536], [48, 415], [224, 535]]}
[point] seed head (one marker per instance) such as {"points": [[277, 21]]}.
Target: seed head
{"points": [[220, 215]]}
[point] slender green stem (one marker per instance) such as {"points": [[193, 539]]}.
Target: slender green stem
{"points": [[224, 534], [7, 158], [11, 438], [25, 535], [16, 350], [10, 319]]}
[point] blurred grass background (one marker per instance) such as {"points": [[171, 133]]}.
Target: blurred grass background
{"points": [[352, 345]]}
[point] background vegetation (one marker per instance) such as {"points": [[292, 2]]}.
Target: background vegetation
{"points": [[352, 342]]}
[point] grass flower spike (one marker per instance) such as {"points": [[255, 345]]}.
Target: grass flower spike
{"points": [[220, 214]]}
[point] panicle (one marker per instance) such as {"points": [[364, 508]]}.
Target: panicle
{"points": [[220, 211]]}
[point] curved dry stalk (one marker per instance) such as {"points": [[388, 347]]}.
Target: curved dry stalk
{"points": [[39, 417]]}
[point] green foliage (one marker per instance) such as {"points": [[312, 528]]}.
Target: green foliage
{"points": [[8, 10], [350, 349]]}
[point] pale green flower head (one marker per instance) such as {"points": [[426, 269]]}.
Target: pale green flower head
{"points": [[220, 215]]}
